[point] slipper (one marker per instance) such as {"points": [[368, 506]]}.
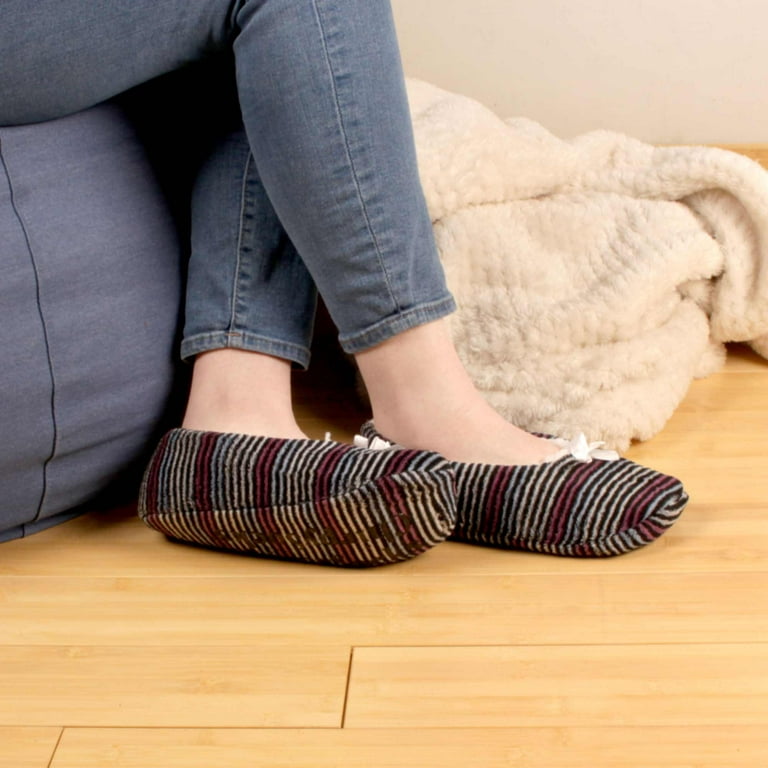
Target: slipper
{"points": [[581, 502], [308, 500]]}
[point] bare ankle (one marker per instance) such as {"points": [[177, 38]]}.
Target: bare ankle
{"points": [[245, 392]]}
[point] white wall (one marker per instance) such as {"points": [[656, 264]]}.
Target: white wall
{"points": [[661, 70]]}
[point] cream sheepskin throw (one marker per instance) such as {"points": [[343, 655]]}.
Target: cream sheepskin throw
{"points": [[595, 277]]}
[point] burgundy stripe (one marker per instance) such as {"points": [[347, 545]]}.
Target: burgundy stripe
{"points": [[400, 461], [501, 478], [203, 470], [325, 469], [563, 507], [262, 473], [202, 486], [638, 506]]}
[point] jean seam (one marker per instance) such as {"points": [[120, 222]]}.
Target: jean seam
{"points": [[46, 339], [210, 340], [239, 249], [355, 177]]}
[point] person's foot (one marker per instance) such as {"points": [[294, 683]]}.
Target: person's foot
{"points": [[470, 433], [241, 475], [308, 500], [514, 490], [583, 503], [422, 397]]}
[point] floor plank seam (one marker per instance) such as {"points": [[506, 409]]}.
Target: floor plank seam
{"points": [[656, 726], [258, 729], [346, 689], [569, 574], [244, 728], [56, 747], [612, 644]]}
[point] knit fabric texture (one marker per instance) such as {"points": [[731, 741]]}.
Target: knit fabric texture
{"points": [[307, 500], [567, 507]]}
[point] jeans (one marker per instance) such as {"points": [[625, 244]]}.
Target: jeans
{"points": [[321, 189]]}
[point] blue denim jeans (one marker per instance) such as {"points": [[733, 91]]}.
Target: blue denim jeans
{"points": [[321, 189]]}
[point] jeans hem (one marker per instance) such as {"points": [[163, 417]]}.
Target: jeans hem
{"points": [[206, 342], [391, 326]]}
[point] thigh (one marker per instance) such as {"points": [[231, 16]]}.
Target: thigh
{"points": [[61, 56]]}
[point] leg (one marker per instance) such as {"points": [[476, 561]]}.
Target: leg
{"points": [[368, 245], [331, 136], [417, 385], [250, 305], [250, 302], [419, 390]]}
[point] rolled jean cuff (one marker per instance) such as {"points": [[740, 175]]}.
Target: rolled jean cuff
{"points": [[391, 326], [206, 342]]}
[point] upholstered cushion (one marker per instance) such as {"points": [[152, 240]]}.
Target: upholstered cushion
{"points": [[89, 304]]}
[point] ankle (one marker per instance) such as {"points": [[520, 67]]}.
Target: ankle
{"points": [[243, 392], [414, 373]]}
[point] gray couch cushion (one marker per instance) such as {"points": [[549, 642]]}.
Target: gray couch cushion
{"points": [[89, 304]]}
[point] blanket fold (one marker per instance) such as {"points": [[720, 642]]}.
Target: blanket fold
{"points": [[595, 277]]}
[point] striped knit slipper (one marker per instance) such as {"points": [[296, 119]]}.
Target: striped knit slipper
{"points": [[308, 500], [582, 502]]}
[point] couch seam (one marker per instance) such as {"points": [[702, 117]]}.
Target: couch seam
{"points": [[43, 324]]}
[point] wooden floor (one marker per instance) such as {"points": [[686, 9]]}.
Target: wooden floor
{"points": [[120, 649]]}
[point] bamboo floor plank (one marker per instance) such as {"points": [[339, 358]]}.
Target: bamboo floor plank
{"points": [[577, 686], [175, 687], [470, 610], [27, 747], [632, 747], [715, 441]]}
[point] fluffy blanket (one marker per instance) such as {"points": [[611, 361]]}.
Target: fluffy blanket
{"points": [[595, 277]]}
